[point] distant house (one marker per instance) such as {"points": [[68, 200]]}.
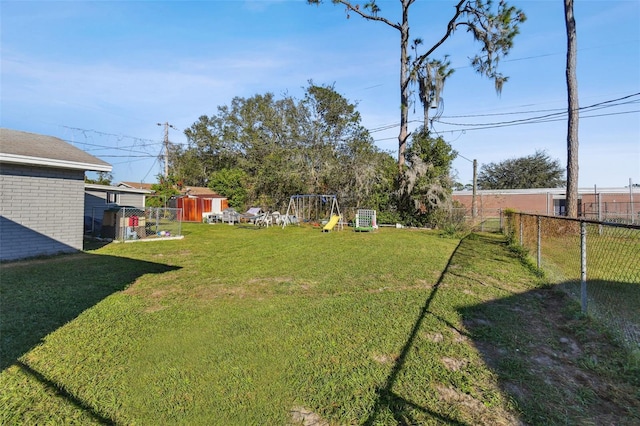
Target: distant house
{"points": [[196, 202], [593, 203], [98, 198], [136, 185], [42, 194]]}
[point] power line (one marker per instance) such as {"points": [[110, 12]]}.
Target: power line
{"points": [[553, 116], [599, 104], [100, 133], [549, 120]]}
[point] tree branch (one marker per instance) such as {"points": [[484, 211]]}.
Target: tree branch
{"points": [[460, 8], [356, 9]]}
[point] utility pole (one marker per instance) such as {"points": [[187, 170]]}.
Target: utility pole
{"points": [[474, 204], [166, 147]]}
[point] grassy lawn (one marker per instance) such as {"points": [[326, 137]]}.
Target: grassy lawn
{"points": [[613, 270], [241, 325]]}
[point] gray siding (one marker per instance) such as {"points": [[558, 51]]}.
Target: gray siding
{"points": [[95, 203], [134, 200], [41, 211]]}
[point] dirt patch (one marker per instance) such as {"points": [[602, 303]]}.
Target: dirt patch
{"points": [[454, 364], [301, 416], [566, 356], [435, 337], [384, 358], [482, 415]]}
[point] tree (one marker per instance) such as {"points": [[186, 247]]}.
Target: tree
{"points": [[164, 189], [104, 178], [426, 185], [495, 31], [231, 183], [261, 150], [430, 79], [533, 171], [572, 128]]}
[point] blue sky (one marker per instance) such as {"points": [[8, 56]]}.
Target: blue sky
{"points": [[102, 75]]}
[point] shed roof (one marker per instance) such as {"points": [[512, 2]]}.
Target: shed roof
{"points": [[33, 149], [200, 191]]}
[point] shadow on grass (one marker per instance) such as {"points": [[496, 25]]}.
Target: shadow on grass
{"points": [[59, 390], [556, 365], [553, 364], [38, 296], [388, 400], [90, 244]]}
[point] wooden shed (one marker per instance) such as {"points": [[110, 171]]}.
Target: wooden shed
{"points": [[197, 202]]}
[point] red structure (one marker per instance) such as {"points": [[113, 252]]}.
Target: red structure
{"points": [[196, 201]]}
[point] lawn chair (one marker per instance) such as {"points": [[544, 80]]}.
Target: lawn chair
{"points": [[251, 215]]}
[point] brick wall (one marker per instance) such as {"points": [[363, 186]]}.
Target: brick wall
{"points": [[41, 211], [530, 203]]}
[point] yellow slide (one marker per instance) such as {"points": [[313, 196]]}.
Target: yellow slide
{"points": [[333, 222]]}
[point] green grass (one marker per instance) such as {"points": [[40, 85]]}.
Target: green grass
{"points": [[613, 273], [239, 325]]}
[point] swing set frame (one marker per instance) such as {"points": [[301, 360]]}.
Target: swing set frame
{"points": [[304, 206]]}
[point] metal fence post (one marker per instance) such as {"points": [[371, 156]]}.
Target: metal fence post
{"points": [[539, 249], [521, 230], [583, 266]]}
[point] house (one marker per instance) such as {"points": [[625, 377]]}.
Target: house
{"points": [[42, 194], [197, 202], [136, 185], [593, 203], [99, 198]]}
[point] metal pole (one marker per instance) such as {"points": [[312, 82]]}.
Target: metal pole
{"points": [[539, 254], [583, 266], [521, 231], [631, 200], [599, 212], [474, 203]]}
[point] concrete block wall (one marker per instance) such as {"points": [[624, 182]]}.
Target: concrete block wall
{"points": [[41, 211]]}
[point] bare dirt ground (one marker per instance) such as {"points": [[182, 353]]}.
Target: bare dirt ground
{"points": [[579, 374]]}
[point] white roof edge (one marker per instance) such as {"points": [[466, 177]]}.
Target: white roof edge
{"points": [[529, 191], [116, 188], [49, 162]]}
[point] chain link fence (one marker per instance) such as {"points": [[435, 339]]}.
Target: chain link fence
{"points": [[618, 212], [484, 220], [151, 222], [598, 263]]}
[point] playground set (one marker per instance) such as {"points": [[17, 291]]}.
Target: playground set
{"points": [[313, 208], [319, 210]]}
